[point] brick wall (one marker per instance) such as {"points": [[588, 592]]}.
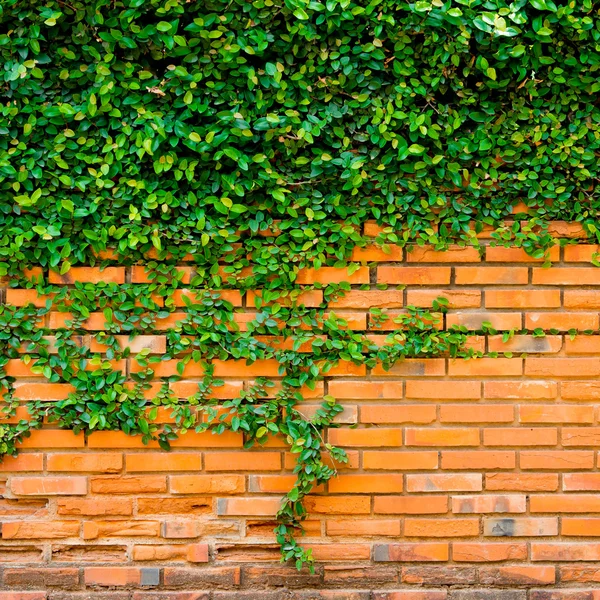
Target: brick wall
{"points": [[467, 479]]}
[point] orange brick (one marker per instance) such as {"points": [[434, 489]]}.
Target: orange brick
{"points": [[478, 459], [556, 414], [43, 391], [144, 484], [117, 439], [517, 575], [521, 482], [397, 413], [95, 507], [583, 527], [242, 461], [517, 390], [142, 275], [444, 482], [563, 321], [338, 505], [443, 390], [427, 254], [485, 552], [414, 275], [570, 503], [547, 551], [580, 253], [580, 436], [488, 504], [22, 463], [559, 460], [441, 528], [566, 276], [341, 552], [363, 527], [475, 321], [112, 576], [485, 367], [514, 299], [248, 506], [99, 463], [442, 437], [475, 413], [491, 275], [580, 390], [399, 461], [43, 530], [373, 437], [366, 484], [520, 436], [100, 529], [455, 298], [549, 344], [370, 299], [160, 461], [411, 552], [583, 344], [48, 486], [373, 253], [430, 367], [587, 299], [581, 482], [208, 484], [89, 275], [512, 254], [410, 505], [520, 527], [326, 275]]}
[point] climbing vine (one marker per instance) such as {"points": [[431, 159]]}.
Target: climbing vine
{"points": [[253, 140]]}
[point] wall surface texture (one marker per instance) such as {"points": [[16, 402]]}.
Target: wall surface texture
{"points": [[467, 479]]}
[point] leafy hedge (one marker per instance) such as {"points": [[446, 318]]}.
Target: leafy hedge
{"points": [[162, 129], [186, 124]]}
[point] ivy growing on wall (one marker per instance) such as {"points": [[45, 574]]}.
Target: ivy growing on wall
{"points": [[255, 139]]}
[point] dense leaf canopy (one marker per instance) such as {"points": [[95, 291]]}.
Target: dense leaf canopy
{"points": [[185, 125]]}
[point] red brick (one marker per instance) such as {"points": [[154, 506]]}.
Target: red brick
{"points": [[517, 575], [371, 437], [31, 530], [327, 275], [581, 482], [207, 484], [242, 461], [370, 299], [138, 528], [95, 507], [144, 484], [561, 552], [488, 504], [430, 367], [363, 527], [520, 527], [373, 253]]}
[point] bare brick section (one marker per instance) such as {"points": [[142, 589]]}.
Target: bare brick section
{"points": [[467, 479]]}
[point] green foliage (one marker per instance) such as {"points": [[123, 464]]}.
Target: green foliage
{"points": [[188, 126]]}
